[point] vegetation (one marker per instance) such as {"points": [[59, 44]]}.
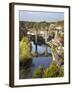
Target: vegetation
{"points": [[37, 25], [60, 23], [23, 30], [24, 53], [38, 73], [52, 71], [25, 56], [61, 71]]}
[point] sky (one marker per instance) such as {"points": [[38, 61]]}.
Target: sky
{"points": [[40, 16]]}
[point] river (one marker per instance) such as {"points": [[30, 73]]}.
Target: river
{"points": [[36, 62]]}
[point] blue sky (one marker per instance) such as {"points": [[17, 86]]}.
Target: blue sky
{"points": [[40, 16]]}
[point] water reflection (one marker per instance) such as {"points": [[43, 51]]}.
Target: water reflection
{"points": [[26, 73], [41, 48]]}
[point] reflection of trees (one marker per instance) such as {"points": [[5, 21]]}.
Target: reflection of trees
{"points": [[36, 27], [45, 28]]}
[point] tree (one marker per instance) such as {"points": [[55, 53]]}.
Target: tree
{"points": [[22, 30], [24, 52]]}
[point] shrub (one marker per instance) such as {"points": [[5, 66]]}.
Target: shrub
{"points": [[24, 51], [52, 71], [61, 71], [38, 73]]}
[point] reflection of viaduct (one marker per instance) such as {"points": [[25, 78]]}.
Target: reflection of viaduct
{"points": [[45, 34]]}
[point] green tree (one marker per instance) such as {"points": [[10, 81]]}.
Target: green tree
{"points": [[24, 51], [22, 30]]}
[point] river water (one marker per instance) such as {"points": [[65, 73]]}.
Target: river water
{"points": [[41, 48], [36, 62]]}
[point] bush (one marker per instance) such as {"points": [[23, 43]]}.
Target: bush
{"points": [[24, 51], [38, 73], [52, 71], [61, 71]]}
